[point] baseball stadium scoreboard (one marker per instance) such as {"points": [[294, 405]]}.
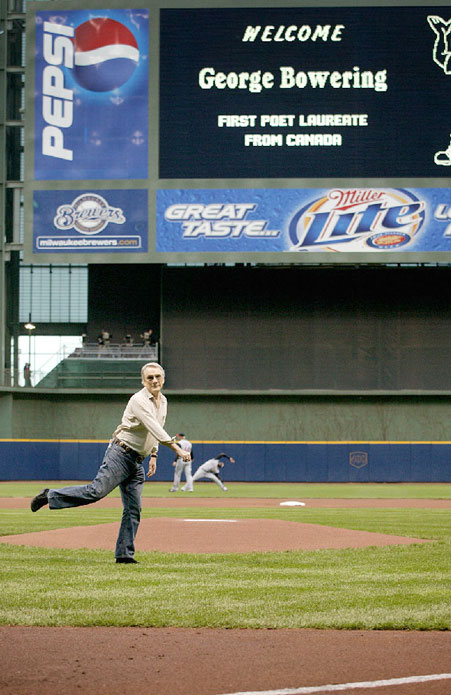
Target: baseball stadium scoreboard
{"points": [[293, 132]]}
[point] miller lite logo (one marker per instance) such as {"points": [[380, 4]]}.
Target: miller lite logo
{"points": [[363, 219], [88, 214]]}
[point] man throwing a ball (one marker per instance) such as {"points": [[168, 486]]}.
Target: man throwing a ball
{"points": [[137, 436]]}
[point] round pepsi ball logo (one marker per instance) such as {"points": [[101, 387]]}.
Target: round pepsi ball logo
{"points": [[106, 54]]}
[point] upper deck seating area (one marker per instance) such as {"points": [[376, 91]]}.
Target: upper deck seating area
{"points": [[116, 351], [93, 366]]}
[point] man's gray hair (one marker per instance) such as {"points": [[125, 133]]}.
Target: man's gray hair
{"points": [[152, 364]]}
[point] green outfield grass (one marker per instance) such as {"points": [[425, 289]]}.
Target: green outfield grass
{"points": [[263, 490], [395, 587]]}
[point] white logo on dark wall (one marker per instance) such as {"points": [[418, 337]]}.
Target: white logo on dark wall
{"points": [[441, 55], [89, 214]]}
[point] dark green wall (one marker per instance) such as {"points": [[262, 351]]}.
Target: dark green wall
{"points": [[300, 328], [56, 415]]}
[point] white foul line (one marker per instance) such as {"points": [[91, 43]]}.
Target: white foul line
{"points": [[346, 686]]}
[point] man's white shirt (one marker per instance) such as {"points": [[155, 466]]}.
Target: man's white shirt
{"points": [[142, 426]]}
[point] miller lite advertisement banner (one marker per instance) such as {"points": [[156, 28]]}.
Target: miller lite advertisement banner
{"points": [[90, 222], [91, 94], [336, 220]]}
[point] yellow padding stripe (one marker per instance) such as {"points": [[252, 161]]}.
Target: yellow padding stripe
{"points": [[341, 441], [237, 441], [58, 441]]}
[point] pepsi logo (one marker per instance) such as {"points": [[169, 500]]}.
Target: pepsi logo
{"points": [[106, 54]]}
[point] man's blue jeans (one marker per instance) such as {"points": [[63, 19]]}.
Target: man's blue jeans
{"points": [[119, 467]]}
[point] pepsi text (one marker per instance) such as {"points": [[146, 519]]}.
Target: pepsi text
{"points": [[57, 100]]}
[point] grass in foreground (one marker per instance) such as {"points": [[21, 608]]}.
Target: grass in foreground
{"points": [[397, 587], [377, 588]]}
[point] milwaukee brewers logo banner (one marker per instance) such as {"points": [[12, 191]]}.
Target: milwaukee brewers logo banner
{"points": [[94, 221]]}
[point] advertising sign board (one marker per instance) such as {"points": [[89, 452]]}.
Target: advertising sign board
{"points": [[89, 222], [309, 133], [292, 220], [91, 94]]}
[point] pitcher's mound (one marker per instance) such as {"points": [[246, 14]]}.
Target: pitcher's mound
{"points": [[212, 536]]}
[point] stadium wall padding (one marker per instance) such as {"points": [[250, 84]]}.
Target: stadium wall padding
{"points": [[275, 437], [255, 462]]}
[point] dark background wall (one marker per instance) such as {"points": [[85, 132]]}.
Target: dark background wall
{"points": [[123, 299], [307, 328]]}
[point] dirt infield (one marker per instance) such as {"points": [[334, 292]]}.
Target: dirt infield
{"points": [[212, 536], [186, 661], [219, 536]]}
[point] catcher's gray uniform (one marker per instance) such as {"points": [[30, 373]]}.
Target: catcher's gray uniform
{"points": [[182, 466], [210, 469]]}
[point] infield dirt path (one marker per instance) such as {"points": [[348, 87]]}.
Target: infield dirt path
{"points": [[170, 661], [214, 535], [171, 535]]}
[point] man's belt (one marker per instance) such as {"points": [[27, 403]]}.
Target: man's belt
{"points": [[129, 450]]}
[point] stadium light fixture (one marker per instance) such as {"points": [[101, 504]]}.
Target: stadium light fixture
{"points": [[30, 327]]}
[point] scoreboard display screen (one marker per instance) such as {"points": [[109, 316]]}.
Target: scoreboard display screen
{"points": [[192, 132], [319, 92]]}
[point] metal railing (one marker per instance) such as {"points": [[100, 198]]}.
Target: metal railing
{"points": [[113, 351], [99, 380]]}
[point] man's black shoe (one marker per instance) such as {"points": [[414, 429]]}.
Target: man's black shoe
{"points": [[40, 500], [127, 561]]}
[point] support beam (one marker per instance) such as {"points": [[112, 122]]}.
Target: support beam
{"points": [[3, 94]]}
